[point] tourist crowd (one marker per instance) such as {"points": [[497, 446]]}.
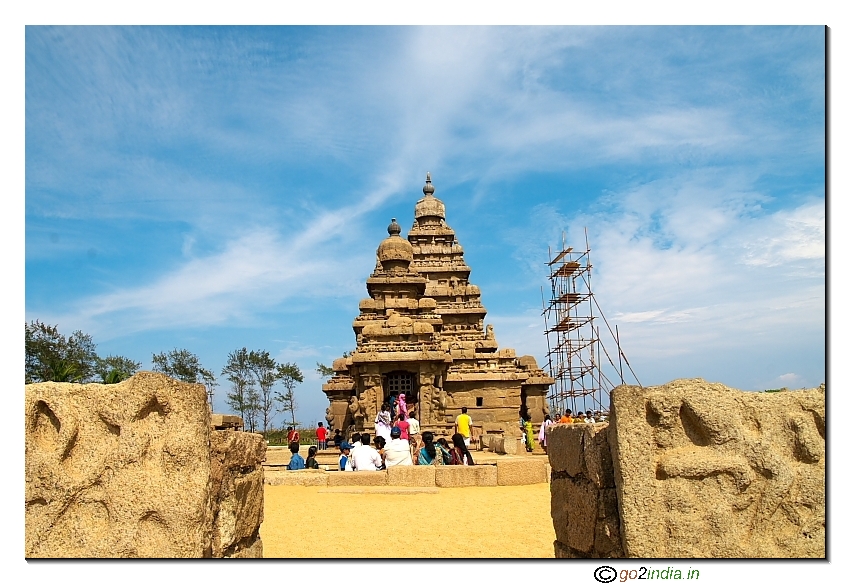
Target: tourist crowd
{"points": [[397, 442]]}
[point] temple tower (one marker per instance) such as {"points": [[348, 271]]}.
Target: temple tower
{"points": [[421, 332]]}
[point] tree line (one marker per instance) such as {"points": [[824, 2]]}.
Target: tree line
{"points": [[253, 375]]}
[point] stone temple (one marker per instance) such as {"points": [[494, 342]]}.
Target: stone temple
{"points": [[421, 332]]}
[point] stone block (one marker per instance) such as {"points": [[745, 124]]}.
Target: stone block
{"points": [[278, 456], [236, 489], [581, 501], [520, 472], [219, 421], [506, 445], [134, 470], [703, 470], [297, 478], [560, 509], [117, 470], [597, 456], [414, 476], [566, 448], [357, 478], [606, 540], [460, 476]]}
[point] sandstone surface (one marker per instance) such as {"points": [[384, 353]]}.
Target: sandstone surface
{"points": [[415, 476], [584, 498], [520, 472], [134, 470], [117, 470], [461, 476], [236, 482], [703, 470]]}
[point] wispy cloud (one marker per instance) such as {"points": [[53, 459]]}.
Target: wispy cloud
{"points": [[274, 150]]}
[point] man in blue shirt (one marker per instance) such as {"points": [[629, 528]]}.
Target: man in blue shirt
{"points": [[296, 462]]}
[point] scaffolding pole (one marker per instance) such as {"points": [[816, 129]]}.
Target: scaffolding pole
{"points": [[576, 354]]}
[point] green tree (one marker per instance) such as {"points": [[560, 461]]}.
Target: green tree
{"points": [[185, 366], [289, 374], [49, 356], [324, 370], [243, 397], [265, 371], [114, 369]]}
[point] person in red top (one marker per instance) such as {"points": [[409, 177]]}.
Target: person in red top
{"points": [[403, 426], [293, 436], [322, 436]]}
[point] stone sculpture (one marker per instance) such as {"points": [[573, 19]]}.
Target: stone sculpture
{"points": [[134, 470], [707, 471]]}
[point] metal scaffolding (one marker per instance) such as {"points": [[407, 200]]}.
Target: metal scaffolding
{"points": [[576, 354]]}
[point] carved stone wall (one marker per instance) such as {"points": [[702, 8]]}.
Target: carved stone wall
{"points": [[699, 470], [703, 470], [125, 470]]}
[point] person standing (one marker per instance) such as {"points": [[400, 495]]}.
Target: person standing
{"points": [[529, 434], [322, 436], [541, 436], [413, 424], [383, 422], [404, 426], [402, 405], [397, 451], [365, 458], [567, 417], [463, 425], [293, 436]]}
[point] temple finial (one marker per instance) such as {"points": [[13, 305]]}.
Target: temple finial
{"points": [[428, 188], [394, 228]]}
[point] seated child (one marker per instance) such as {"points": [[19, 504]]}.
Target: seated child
{"points": [[345, 457]]}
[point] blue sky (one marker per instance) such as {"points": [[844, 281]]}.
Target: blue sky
{"points": [[211, 188]]}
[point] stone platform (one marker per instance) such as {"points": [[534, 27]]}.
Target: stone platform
{"points": [[517, 471]]}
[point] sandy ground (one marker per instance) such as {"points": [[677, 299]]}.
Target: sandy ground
{"points": [[485, 522]]}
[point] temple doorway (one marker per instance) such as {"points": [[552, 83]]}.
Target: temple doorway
{"points": [[401, 382]]}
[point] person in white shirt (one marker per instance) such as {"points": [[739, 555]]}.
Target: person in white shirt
{"points": [[355, 441], [414, 425], [365, 457], [397, 451]]}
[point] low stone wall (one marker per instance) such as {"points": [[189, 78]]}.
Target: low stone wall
{"points": [[521, 472], [584, 498], [296, 478], [506, 472], [413, 476], [339, 478], [461, 476], [693, 469], [134, 470]]}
